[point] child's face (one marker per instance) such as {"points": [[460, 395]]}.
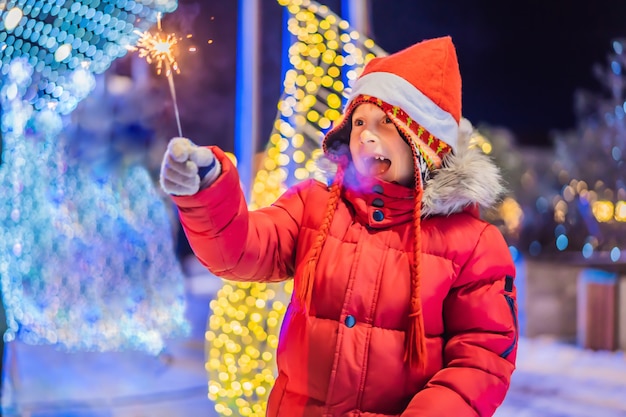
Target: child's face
{"points": [[377, 148]]}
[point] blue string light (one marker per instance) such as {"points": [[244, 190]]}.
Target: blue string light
{"points": [[86, 254]]}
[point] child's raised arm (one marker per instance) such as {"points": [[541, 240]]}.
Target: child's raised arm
{"points": [[229, 240]]}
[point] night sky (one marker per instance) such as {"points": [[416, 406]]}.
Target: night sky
{"points": [[521, 62]]}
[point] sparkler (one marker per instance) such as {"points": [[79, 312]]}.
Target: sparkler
{"points": [[160, 48]]}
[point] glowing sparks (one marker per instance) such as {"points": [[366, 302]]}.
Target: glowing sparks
{"points": [[159, 48]]}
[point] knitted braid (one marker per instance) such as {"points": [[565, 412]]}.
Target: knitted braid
{"points": [[305, 289], [415, 342]]}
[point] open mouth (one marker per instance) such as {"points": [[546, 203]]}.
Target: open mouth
{"points": [[377, 165]]}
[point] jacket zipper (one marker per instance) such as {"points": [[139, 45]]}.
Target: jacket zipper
{"points": [[508, 289]]}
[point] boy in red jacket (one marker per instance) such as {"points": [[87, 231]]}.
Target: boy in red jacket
{"points": [[404, 303]]}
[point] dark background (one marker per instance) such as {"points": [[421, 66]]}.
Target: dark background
{"points": [[521, 62]]}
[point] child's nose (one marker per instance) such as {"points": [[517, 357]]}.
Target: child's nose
{"points": [[368, 136]]}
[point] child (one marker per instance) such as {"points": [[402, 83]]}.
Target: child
{"points": [[404, 301]]}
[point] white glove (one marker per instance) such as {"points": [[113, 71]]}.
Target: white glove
{"points": [[186, 167]]}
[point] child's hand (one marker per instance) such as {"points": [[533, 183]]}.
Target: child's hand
{"points": [[187, 167]]}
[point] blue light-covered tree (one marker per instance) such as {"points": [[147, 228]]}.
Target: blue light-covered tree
{"points": [[590, 165], [86, 257], [86, 252]]}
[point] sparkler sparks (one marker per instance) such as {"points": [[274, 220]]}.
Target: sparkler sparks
{"points": [[160, 48]]}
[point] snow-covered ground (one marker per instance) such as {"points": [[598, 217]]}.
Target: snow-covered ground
{"points": [[555, 379]]}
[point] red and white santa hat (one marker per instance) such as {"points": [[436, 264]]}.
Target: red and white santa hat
{"points": [[420, 88]]}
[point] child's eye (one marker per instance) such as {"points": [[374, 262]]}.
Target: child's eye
{"points": [[388, 120], [358, 122]]}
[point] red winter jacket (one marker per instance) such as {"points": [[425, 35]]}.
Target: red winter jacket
{"points": [[346, 357]]}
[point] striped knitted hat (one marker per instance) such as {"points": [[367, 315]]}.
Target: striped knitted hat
{"points": [[420, 90]]}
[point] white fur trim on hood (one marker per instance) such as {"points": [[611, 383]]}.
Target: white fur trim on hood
{"points": [[467, 177]]}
